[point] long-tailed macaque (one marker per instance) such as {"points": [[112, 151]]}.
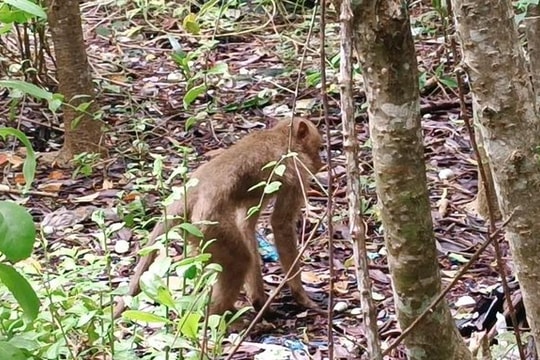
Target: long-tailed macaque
{"points": [[222, 195]]}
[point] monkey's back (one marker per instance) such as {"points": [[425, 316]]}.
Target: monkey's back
{"points": [[230, 175]]}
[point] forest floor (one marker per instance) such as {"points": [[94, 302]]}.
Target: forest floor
{"points": [[256, 65]]}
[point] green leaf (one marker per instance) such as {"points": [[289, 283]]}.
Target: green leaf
{"points": [[518, 18], [256, 186], [219, 69], [11, 352], [214, 321], [269, 165], [188, 261], [29, 167], [191, 229], [193, 94], [28, 6], [190, 122], [27, 88], [180, 58], [422, 78], [56, 102], [135, 315], [313, 80], [149, 249], [21, 290], [9, 15], [83, 107], [164, 297], [253, 210], [239, 313], [17, 231], [457, 257], [190, 325], [280, 170], [272, 187], [55, 350], [207, 6], [449, 82], [191, 272], [191, 25]]}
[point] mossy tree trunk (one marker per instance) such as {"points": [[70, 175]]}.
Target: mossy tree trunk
{"points": [[386, 50], [83, 133], [504, 104]]}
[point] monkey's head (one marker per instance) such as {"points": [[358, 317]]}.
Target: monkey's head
{"points": [[308, 142]]}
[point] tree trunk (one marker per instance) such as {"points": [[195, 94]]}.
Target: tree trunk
{"points": [[482, 206], [386, 51], [504, 103], [83, 133], [354, 194], [532, 23]]}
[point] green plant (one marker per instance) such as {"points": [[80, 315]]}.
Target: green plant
{"points": [[84, 163], [19, 88], [17, 237], [270, 186], [29, 166], [506, 346], [78, 324], [196, 79], [23, 22], [522, 8]]}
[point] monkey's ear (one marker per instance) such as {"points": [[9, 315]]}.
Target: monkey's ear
{"points": [[303, 130]]}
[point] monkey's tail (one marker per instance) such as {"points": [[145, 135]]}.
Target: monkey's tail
{"points": [[145, 261]]}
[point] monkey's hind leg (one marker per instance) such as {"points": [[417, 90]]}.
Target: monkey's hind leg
{"points": [[234, 257], [254, 281]]}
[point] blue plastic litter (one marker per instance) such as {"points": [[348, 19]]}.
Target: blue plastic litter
{"points": [[294, 345], [267, 250]]}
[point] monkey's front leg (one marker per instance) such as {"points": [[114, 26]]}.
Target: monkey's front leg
{"points": [[286, 209], [254, 281]]}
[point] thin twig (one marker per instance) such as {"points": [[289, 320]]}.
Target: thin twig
{"points": [[29, 192], [329, 203]]}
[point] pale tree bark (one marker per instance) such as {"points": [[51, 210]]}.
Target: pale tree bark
{"points": [[350, 147], [481, 201], [504, 103], [532, 23], [83, 133], [386, 51]]}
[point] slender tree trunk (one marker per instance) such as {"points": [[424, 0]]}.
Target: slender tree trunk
{"points": [[386, 51], [354, 194], [83, 133], [481, 197], [532, 23], [504, 103]]}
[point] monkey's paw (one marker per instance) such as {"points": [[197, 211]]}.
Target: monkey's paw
{"points": [[307, 303]]}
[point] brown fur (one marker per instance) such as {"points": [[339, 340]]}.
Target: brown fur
{"points": [[222, 195]]}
